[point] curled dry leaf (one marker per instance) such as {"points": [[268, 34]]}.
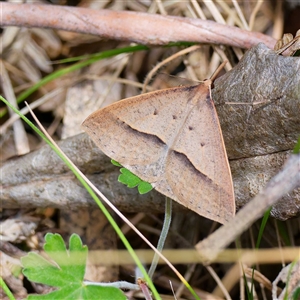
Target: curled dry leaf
{"points": [[17, 229], [21, 50], [288, 44], [290, 275]]}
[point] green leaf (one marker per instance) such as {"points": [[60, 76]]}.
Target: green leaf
{"points": [[88, 292], [115, 163], [296, 294], [128, 178], [297, 147], [144, 187], [297, 53], [131, 180], [65, 270]]}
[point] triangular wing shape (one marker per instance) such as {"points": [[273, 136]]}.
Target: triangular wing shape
{"points": [[172, 139]]}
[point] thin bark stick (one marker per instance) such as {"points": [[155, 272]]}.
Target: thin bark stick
{"points": [[138, 27], [284, 182]]}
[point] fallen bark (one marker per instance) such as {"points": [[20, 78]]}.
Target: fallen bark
{"points": [[258, 140]]}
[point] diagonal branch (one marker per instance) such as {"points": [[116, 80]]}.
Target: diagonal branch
{"points": [[138, 27], [284, 182]]}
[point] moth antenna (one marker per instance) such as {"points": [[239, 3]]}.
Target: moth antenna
{"points": [[215, 74]]}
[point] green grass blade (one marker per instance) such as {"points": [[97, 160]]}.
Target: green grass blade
{"points": [[296, 149], [90, 60], [94, 196], [6, 289], [262, 227]]}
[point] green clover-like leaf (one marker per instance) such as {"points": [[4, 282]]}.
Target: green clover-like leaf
{"points": [[144, 187], [65, 270], [128, 178], [115, 163]]}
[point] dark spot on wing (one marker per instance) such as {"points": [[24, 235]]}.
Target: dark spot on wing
{"points": [[121, 123], [155, 112], [202, 144], [208, 100], [191, 128], [174, 117]]}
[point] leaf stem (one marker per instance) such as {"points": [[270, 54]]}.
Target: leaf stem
{"points": [[163, 235], [117, 284]]}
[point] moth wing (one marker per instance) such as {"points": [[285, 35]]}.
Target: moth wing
{"points": [[136, 131], [199, 164]]}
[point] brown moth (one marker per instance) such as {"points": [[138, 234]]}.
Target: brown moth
{"points": [[172, 139]]}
